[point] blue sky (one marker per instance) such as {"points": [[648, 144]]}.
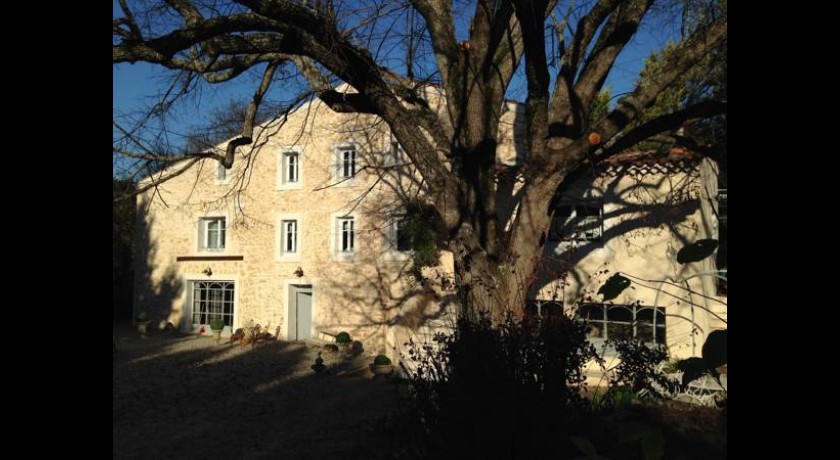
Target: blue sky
{"points": [[137, 85]]}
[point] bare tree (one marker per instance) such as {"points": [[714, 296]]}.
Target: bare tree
{"points": [[325, 41]]}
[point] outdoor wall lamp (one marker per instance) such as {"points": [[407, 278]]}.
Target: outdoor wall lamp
{"points": [[299, 272], [207, 271]]}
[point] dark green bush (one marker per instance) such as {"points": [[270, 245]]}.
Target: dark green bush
{"points": [[381, 360], [142, 317], [500, 391], [342, 337]]}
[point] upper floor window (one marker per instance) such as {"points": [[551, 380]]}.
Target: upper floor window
{"points": [[289, 169], [221, 172], [346, 163], [394, 155], [346, 235], [344, 232], [291, 160], [398, 236], [581, 221], [402, 233], [212, 233], [289, 237]]}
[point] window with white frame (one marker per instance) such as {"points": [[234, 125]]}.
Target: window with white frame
{"points": [[291, 168], [624, 322], [346, 163], [576, 222], [221, 172], [212, 233], [212, 299], [394, 155], [346, 234], [402, 233], [288, 237]]}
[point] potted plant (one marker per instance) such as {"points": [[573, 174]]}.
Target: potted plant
{"points": [[343, 341], [142, 320], [381, 366], [216, 325]]}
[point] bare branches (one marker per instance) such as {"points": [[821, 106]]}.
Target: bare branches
{"points": [[617, 32], [661, 124], [247, 135], [686, 54], [186, 10], [441, 27], [162, 49]]}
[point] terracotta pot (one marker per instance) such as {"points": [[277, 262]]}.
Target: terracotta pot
{"points": [[382, 369], [217, 334]]}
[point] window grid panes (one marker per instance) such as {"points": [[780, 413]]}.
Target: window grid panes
{"points": [[292, 163], [214, 234], [212, 299], [347, 235], [347, 168], [289, 236], [624, 322]]}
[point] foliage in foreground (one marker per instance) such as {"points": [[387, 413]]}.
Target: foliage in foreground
{"points": [[499, 392], [515, 391]]}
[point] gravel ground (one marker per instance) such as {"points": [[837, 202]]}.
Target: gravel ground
{"points": [[182, 397]]}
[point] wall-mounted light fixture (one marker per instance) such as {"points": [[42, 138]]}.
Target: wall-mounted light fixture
{"points": [[299, 272], [207, 271]]}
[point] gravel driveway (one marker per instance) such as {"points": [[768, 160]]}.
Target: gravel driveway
{"points": [[181, 397]]}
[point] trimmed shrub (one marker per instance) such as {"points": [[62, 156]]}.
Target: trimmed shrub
{"points": [[342, 337], [217, 324]]}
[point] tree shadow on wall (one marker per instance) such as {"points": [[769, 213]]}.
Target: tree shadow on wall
{"points": [[156, 288]]}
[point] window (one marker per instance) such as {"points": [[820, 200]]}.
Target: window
{"points": [[211, 236], [576, 222], [346, 163], [402, 233], [720, 258], [212, 299], [398, 237], [289, 237], [291, 161], [287, 243], [346, 235], [394, 155], [289, 168], [624, 322], [221, 172]]}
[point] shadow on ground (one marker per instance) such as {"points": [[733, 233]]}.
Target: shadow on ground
{"points": [[177, 396]]}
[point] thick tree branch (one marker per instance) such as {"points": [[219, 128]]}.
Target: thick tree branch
{"points": [[661, 124], [163, 48], [247, 134], [531, 15], [565, 106], [439, 22], [685, 55], [619, 29], [187, 10]]}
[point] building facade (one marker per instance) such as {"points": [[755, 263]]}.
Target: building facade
{"points": [[307, 232]]}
